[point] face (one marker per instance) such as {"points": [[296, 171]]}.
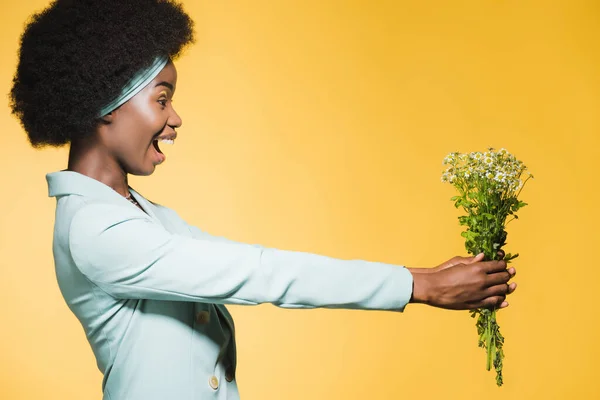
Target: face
{"points": [[136, 129]]}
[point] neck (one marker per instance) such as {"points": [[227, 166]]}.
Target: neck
{"points": [[92, 159]]}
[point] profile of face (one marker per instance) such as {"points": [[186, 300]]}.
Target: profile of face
{"points": [[131, 134]]}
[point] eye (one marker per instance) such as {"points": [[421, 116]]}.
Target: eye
{"points": [[163, 102]]}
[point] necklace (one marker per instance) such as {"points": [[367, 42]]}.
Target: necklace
{"points": [[132, 199]]}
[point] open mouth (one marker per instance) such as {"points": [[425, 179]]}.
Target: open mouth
{"points": [[155, 144], [168, 139]]}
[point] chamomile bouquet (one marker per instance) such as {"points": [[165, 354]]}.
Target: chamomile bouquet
{"points": [[489, 184]]}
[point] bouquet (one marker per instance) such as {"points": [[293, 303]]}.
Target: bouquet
{"points": [[488, 184]]}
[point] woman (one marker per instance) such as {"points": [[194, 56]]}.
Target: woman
{"points": [[148, 288]]}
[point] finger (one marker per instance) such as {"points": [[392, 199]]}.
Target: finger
{"points": [[487, 302], [497, 290], [498, 278], [491, 302], [512, 271], [467, 260], [457, 260], [501, 254], [494, 266], [478, 257], [512, 287]]}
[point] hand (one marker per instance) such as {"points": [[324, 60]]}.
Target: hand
{"points": [[464, 283], [468, 260], [461, 260]]}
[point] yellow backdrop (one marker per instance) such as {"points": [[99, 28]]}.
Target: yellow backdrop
{"points": [[321, 126]]}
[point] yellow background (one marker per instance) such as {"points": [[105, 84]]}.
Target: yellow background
{"points": [[321, 126]]}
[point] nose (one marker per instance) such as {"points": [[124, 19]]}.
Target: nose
{"points": [[175, 120]]}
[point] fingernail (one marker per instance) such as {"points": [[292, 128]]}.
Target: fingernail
{"points": [[504, 304]]}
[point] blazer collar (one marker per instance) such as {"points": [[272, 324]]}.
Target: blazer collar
{"points": [[62, 183]]}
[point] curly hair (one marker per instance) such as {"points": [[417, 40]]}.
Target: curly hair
{"points": [[76, 55]]}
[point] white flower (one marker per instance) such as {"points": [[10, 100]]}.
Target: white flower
{"points": [[449, 159], [501, 170], [500, 177], [515, 185]]}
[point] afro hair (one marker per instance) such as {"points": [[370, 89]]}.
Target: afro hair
{"points": [[76, 55]]}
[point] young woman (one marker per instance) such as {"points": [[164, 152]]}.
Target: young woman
{"points": [[148, 288]]}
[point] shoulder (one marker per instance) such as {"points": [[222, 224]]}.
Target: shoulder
{"points": [[83, 216], [97, 215]]}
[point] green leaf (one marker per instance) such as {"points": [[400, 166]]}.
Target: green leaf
{"points": [[463, 220], [469, 235]]}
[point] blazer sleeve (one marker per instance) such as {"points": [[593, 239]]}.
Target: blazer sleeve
{"points": [[129, 255]]}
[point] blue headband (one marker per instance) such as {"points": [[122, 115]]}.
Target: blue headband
{"points": [[136, 84]]}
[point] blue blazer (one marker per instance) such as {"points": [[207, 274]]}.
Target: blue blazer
{"points": [[150, 290]]}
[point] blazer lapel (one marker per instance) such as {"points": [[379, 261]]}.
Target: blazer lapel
{"points": [[146, 205]]}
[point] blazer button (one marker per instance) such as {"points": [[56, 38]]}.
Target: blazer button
{"points": [[202, 317], [229, 374], [213, 382]]}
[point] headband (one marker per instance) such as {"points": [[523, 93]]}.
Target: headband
{"points": [[136, 84]]}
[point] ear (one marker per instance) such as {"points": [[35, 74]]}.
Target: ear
{"points": [[107, 119]]}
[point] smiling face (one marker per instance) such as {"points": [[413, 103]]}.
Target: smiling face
{"points": [[134, 130]]}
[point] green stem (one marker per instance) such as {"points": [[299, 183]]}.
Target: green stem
{"points": [[488, 346]]}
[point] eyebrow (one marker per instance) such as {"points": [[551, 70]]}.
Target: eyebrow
{"points": [[167, 84]]}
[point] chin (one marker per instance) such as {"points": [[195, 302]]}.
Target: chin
{"points": [[144, 171]]}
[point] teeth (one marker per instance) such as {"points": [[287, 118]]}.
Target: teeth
{"points": [[167, 141]]}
